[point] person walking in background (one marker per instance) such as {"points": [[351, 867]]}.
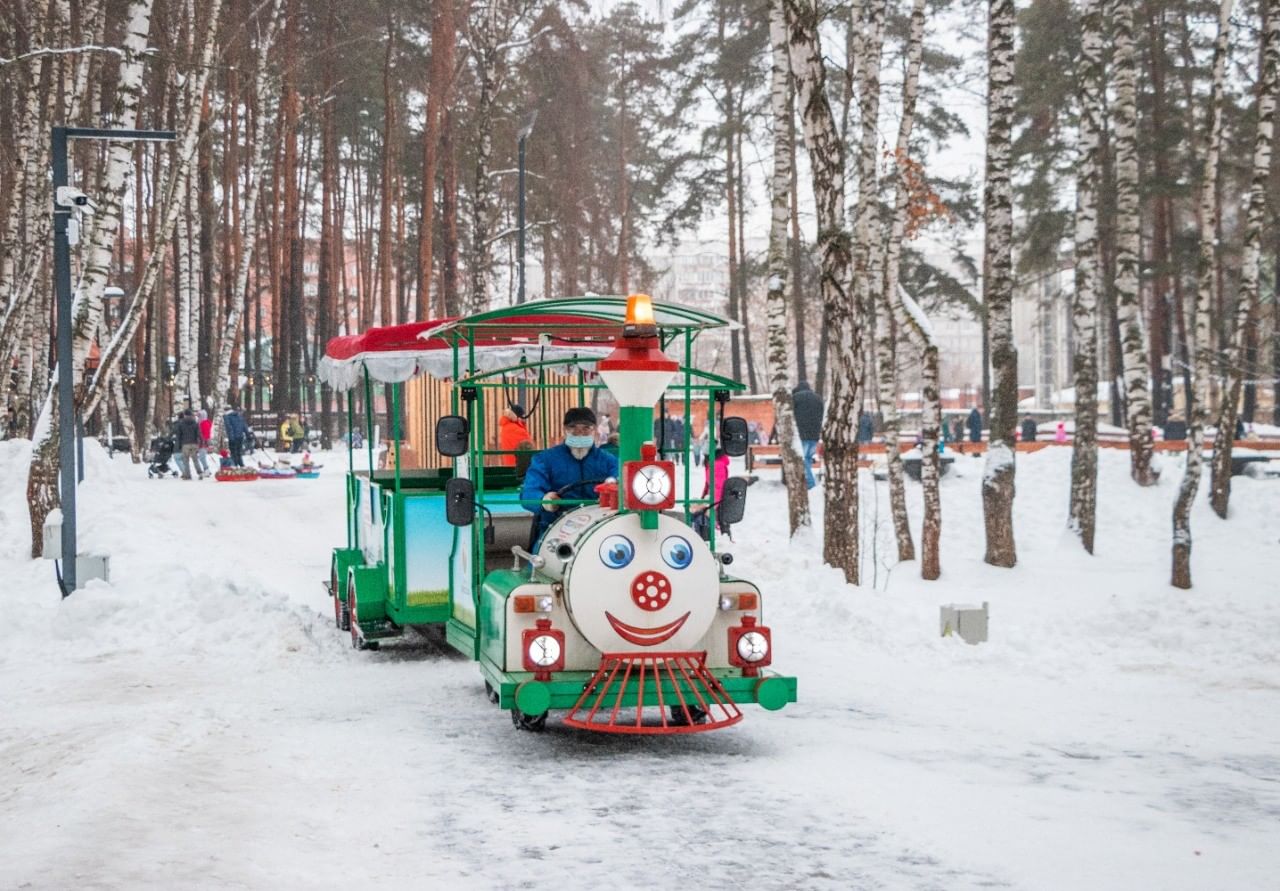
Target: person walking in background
{"points": [[512, 431], [187, 433], [1060, 434], [699, 515], [202, 453], [808, 411], [1028, 429], [292, 435], [866, 427], [235, 429], [606, 428], [975, 425], [676, 448]]}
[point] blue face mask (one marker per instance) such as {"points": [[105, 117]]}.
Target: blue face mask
{"points": [[585, 441]]}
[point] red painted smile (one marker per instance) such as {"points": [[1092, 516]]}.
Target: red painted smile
{"points": [[645, 637]]}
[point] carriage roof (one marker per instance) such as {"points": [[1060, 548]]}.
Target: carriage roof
{"points": [[574, 331]]}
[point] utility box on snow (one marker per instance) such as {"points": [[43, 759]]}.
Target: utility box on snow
{"points": [[92, 566], [967, 621], [51, 548]]}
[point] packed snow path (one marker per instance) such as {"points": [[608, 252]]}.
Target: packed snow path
{"points": [[200, 723]]}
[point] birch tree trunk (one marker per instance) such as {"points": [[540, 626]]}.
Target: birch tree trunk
{"points": [[1129, 244], [24, 168], [840, 545], [997, 286], [86, 313], [778, 351], [916, 325], [1199, 345], [174, 206], [1084, 306], [889, 321], [1220, 475]]}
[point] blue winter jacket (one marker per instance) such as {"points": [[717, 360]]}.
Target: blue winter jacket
{"points": [[555, 468], [234, 426]]}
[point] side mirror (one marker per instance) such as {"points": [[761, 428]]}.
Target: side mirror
{"points": [[733, 437], [459, 501], [733, 501], [452, 432]]}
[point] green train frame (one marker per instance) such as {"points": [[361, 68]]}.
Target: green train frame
{"points": [[395, 530]]}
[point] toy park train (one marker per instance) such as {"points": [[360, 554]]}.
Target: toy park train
{"points": [[620, 615]]}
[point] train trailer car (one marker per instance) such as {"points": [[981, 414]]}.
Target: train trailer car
{"points": [[618, 614]]}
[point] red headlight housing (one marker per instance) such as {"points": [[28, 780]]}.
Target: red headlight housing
{"points": [[750, 646], [649, 484], [542, 650]]}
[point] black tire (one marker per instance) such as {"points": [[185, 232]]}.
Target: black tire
{"points": [[490, 693], [696, 716], [531, 723]]}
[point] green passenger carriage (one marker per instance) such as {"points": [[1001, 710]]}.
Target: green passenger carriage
{"points": [[619, 615]]}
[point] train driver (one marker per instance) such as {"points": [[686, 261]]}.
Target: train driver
{"points": [[569, 470]]}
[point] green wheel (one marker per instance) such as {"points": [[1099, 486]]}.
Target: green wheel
{"points": [[771, 693], [533, 697]]}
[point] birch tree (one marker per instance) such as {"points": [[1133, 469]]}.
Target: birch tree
{"points": [[1198, 399], [1084, 305], [779, 351], [916, 325], [888, 317], [845, 316], [997, 287], [1220, 475], [86, 313], [1124, 114], [174, 207]]}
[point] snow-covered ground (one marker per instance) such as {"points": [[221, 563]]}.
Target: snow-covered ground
{"points": [[200, 723]]}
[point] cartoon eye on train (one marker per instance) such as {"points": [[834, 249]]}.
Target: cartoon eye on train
{"points": [[619, 615]]}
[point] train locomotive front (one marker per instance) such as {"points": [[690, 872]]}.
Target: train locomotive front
{"points": [[631, 629], [626, 616]]}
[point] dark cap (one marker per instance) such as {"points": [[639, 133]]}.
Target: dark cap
{"points": [[579, 415]]}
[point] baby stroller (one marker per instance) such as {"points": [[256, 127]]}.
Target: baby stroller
{"points": [[161, 452]]}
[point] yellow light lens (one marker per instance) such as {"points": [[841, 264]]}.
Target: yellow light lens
{"points": [[640, 309]]}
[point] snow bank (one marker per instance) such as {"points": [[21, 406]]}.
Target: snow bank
{"points": [[199, 722]]}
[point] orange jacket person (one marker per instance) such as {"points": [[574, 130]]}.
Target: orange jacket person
{"points": [[511, 433]]}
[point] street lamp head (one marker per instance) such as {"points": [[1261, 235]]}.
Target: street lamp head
{"points": [[528, 125]]}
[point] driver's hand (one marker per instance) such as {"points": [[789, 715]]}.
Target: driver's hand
{"points": [[549, 502]]}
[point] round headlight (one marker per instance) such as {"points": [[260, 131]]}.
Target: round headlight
{"points": [[651, 485], [753, 646], [544, 650]]}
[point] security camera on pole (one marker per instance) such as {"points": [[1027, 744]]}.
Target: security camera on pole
{"points": [[67, 198]]}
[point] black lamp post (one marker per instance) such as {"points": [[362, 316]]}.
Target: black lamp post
{"points": [[524, 136], [65, 200]]}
